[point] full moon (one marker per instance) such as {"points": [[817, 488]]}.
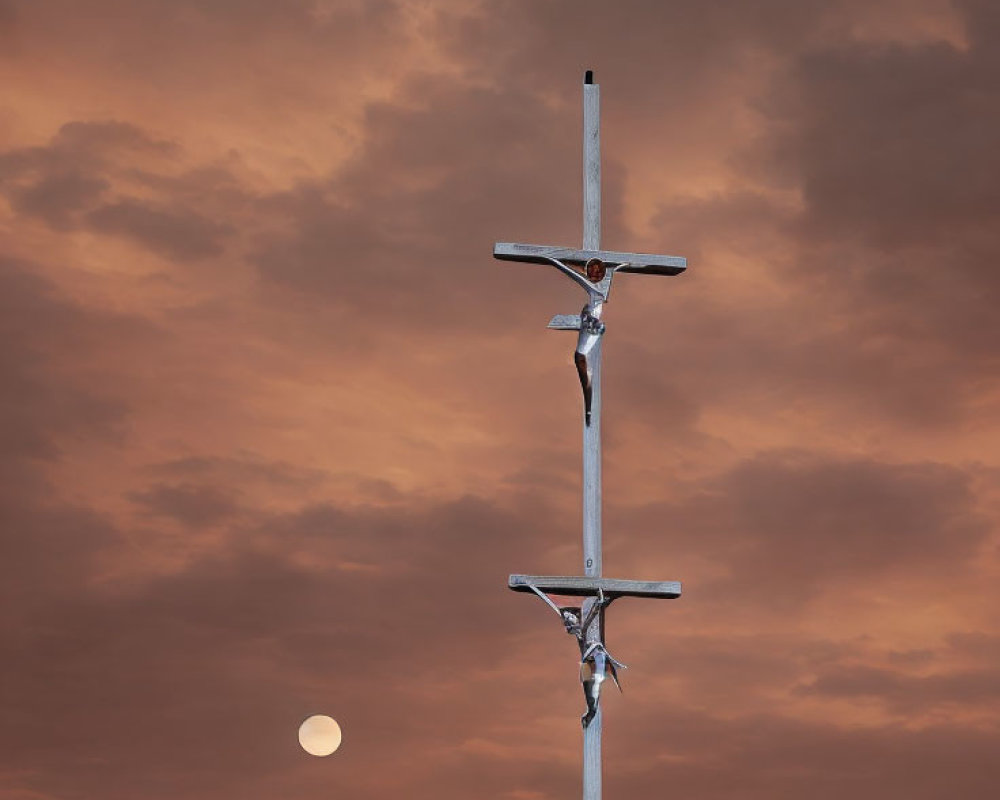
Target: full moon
{"points": [[319, 735]]}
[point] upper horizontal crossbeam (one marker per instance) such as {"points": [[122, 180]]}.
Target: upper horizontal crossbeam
{"points": [[580, 586], [646, 263]]}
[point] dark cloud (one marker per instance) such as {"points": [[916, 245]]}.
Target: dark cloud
{"points": [[239, 469], [799, 524], [48, 395], [62, 183], [216, 182], [893, 142], [54, 397], [908, 694], [380, 617], [625, 42], [877, 295], [367, 603], [7, 17], [461, 174], [889, 146], [199, 546], [189, 504], [176, 233], [911, 658], [981, 646], [767, 756], [80, 147], [51, 551], [106, 137], [54, 198]]}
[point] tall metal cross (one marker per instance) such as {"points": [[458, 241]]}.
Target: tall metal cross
{"points": [[586, 622]]}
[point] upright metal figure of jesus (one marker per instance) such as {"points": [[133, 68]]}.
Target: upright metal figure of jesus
{"points": [[596, 281], [586, 622]]}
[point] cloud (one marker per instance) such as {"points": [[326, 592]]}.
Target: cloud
{"points": [[801, 524], [92, 141], [374, 598], [369, 245], [767, 756], [278, 426], [189, 504], [379, 617], [53, 199], [239, 469], [177, 233], [64, 182], [908, 694], [47, 396], [888, 146], [892, 143]]}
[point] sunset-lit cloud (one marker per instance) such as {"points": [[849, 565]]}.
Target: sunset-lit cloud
{"points": [[277, 427]]}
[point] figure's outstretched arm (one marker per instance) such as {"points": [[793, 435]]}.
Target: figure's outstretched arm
{"points": [[547, 600], [588, 287]]}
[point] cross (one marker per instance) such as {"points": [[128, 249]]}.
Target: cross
{"points": [[586, 622]]}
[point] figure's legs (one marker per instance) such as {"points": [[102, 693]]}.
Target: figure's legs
{"points": [[587, 718], [591, 330], [592, 675], [586, 376]]}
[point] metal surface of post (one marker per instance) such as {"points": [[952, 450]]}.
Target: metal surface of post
{"points": [[592, 769], [592, 270]]}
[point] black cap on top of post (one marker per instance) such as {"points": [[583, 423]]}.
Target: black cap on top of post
{"points": [[588, 76]]}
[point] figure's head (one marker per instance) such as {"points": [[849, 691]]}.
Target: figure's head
{"points": [[571, 616], [595, 270]]}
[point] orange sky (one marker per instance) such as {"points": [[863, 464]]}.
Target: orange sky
{"points": [[263, 380]]}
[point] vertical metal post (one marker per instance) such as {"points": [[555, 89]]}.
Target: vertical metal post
{"points": [[592, 773], [591, 163], [588, 359]]}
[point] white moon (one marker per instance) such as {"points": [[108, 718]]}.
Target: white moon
{"points": [[320, 735]]}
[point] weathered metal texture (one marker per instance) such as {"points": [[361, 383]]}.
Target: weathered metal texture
{"points": [[565, 322], [592, 500], [587, 358], [592, 493], [591, 166], [643, 263], [583, 586]]}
